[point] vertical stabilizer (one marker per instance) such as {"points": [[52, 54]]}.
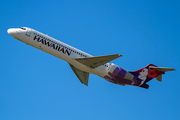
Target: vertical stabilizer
{"points": [[149, 72], [146, 74]]}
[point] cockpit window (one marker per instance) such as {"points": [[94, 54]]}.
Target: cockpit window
{"points": [[23, 28]]}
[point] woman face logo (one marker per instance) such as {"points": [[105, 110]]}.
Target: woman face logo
{"points": [[143, 74]]}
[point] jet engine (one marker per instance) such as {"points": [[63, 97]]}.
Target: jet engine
{"points": [[119, 72], [116, 70]]}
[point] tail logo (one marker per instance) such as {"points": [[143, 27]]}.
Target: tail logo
{"points": [[143, 74], [152, 73], [146, 74]]}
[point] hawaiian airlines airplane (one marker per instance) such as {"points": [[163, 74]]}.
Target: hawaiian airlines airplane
{"points": [[83, 63]]}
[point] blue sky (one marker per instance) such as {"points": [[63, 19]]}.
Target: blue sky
{"points": [[37, 86]]}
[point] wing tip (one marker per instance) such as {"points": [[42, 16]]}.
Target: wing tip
{"points": [[119, 55]]}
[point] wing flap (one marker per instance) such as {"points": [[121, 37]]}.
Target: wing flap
{"points": [[94, 62], [82, 75]]}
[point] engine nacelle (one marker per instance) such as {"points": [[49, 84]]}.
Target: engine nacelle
{"points": [[114, 69], [119, 72]]}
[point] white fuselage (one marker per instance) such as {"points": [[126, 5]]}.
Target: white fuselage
{"points": [[56, 48]]}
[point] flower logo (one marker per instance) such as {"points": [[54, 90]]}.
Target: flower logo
{"points": [[152, 73]]}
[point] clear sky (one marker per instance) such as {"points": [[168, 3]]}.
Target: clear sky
{"points": [[37, 86]]}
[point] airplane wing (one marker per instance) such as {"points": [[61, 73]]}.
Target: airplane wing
{"points": [[82, 75], [94, 62]]}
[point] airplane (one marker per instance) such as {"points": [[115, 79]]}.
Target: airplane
{"points": [[83, 63]]}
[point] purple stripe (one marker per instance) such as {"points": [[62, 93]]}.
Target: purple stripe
{"points": [[121, 80], [122, 73], [137, 82], [116, 71], [119, 72]]}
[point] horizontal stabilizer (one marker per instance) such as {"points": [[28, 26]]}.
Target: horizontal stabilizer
{"points": [[159, 78], [94, 62], [162, 69]]}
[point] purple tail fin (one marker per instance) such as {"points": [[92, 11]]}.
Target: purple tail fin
{"points": [[146, 74]]}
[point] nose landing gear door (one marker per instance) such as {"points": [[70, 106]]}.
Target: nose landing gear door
{"points": [[28, 33]]}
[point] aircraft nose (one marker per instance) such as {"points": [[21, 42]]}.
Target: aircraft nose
{"points": [[11, 31]]}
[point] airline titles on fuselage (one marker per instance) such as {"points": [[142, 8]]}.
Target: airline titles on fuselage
{"points": [[55, 45], [52, 44]]}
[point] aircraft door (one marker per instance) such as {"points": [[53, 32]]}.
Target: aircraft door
{"points": [[28, 33]]}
